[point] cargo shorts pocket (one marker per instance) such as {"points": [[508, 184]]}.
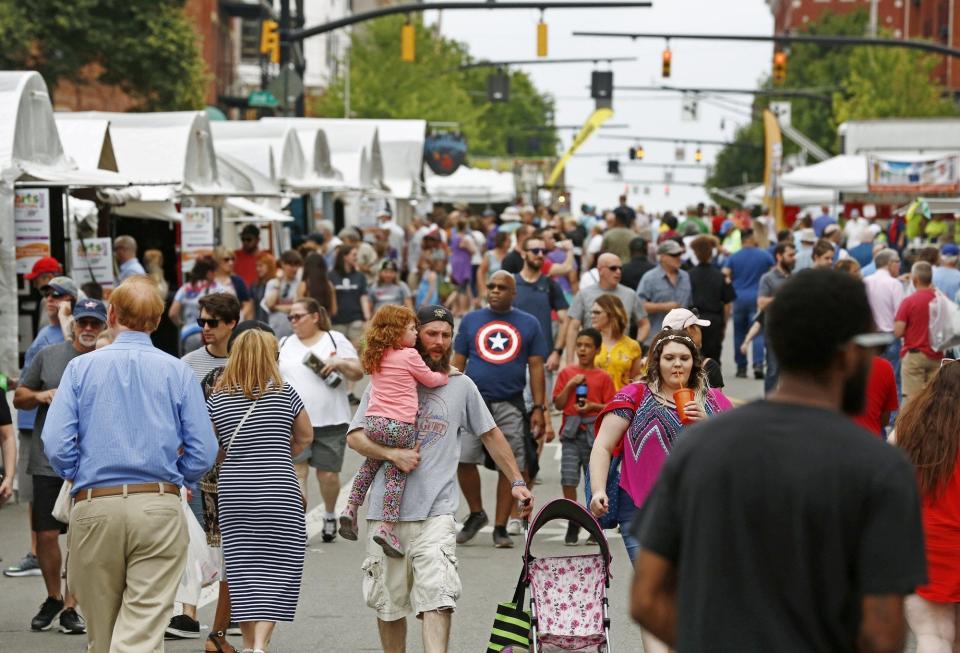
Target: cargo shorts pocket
{"points": [[450, 575], [374, 593]]}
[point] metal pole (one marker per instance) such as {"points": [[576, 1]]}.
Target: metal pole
{"points": [[285, 54], [872, 30], [346, 87]]}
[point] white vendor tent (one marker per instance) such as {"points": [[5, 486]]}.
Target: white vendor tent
{"points": [[401, 145], [846, 173], [794, 196], [472, 185], [87, 142]]}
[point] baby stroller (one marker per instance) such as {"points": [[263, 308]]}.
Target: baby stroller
{"points": [[568, 594]]}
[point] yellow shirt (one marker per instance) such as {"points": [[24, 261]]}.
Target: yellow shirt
{"points": [[617, 361]]}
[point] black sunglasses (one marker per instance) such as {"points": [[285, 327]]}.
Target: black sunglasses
{"points": [[497, 286], [212, 322], [614, 268], [537, 250]]}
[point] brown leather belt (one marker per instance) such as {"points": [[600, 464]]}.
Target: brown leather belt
{"points": [[130, 488]]}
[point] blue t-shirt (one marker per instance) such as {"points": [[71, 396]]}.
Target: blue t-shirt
{"points": [[497, 347], [48, 335], [946, 280], [747, 266], [539, 299]]}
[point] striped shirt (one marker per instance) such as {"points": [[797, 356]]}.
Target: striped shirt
{"points": [[202, 362]]}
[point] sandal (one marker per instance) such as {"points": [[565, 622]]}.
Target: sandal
{"points": [[219, 640]]}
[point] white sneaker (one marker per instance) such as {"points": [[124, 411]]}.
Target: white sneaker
{"points": [[514, 527]]}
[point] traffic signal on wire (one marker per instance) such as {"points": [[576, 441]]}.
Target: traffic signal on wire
{"points": [[779, 67], [270, 40], [542, 36], [408, 43], [667, 60]]}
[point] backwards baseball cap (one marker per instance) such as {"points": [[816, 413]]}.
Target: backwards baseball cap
{"points": [[433, 313], [62, 286], [90, 308], [681, 318], [45, 265], [670, 247]]}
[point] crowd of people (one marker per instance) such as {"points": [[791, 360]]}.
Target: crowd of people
{"points": [[474, 332]]}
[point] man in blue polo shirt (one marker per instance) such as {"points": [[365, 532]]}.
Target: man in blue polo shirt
{"points": [[495, 346], [744, 270]]}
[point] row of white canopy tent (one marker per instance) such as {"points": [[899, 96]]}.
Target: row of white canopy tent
{"points": [[820, 183]]}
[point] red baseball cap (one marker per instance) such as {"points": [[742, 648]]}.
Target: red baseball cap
{"points": [[46, 265]]}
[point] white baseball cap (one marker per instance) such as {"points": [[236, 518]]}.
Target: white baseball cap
{"points": [[681, 318]]}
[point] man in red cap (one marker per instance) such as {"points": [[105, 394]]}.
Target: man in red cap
{"points": [[43, 270]]}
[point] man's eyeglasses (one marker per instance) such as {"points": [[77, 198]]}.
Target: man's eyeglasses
{"points": [[293, 317], [614, 268], [537, 250], [211, 322], [89, 323]]}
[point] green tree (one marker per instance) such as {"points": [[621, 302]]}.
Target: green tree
{"points": [[147, 48], [434, 88]]}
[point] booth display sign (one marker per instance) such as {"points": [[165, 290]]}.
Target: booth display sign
{"points": [[444, 153], [92, 259], [31, 220], [196, 236], [935, 175]]}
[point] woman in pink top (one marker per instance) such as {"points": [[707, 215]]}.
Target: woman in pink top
{"points": [[396, 367]]}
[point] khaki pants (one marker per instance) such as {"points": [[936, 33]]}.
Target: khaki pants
{"points": [[126, 558], [916, 370]]}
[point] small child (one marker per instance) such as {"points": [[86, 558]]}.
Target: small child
{"points": [[581, 392], [396, 368]]}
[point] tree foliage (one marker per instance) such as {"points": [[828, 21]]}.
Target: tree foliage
{"points": [[147, 48], [433, 88]]}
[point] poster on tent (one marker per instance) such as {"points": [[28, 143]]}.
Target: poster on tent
{"points": [[92, 258], [196, 235], [933, 175], [31, 226]]}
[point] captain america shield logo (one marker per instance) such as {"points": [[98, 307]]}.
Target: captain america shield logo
{"points": [[498, 342]]}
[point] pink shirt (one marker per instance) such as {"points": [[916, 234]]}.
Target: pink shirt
{"points": [[884, 294], [394, 391]]}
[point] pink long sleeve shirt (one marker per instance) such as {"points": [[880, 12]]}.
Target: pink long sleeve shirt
{"points": [[394, 391]]}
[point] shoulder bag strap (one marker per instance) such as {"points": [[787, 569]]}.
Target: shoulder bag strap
{"points": [[332, 342], [240, 425]]}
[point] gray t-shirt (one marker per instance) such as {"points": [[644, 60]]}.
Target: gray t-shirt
{"points": [[771, 281], [202, 362], [44, 373], [431, 488], [580, 310]]}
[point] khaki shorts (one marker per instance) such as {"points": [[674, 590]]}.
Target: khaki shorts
{"points": [[423, 580], [916, 370], [353, 331], [509, 420]]}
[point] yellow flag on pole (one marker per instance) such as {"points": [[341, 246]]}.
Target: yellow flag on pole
{"points": [[593, 123], [773, 190]]}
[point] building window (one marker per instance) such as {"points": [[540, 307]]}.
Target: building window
{"points": [[249, 40]]}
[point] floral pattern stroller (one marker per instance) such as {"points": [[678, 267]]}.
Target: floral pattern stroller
{"points": [[568, 594]]}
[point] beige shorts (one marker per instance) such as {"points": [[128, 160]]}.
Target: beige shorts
{"points": [[916, 370], [353, 331], [425, 579]]}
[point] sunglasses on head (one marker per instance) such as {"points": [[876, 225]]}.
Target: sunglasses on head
{"points": [[211, 322]]}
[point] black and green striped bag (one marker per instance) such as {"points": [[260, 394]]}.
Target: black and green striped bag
{"points": [[511, 626]]}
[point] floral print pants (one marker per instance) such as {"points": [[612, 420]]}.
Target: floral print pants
{"points": [[389, 433]]}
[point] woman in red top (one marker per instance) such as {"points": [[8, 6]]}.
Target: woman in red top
{"points": [[928, 430]]}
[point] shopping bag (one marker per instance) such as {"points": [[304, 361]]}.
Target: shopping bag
{"points": [[944, 328], [511, 625], [202, 566], [61, 508]]}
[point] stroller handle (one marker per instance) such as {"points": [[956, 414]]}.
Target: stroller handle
{"points": [[573, 511]]}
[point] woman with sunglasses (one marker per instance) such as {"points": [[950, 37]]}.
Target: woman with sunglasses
{"points": [[227, 281], [619, 355], [928, 430], [318, 361]]}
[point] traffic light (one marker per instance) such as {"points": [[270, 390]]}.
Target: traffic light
{"points": [[632, 152], [498, 87], [698, 155], [640, 152], [779, 67], [542, 33], [408, 43], [270, 40], [613, 167], [601, 84], [667, 60]]}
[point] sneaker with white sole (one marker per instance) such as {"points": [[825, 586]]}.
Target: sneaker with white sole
{"points": [[514, 526], [182, 627], [48, 612], [72, 623], [329, 532], [233, 628], [28, 566]]}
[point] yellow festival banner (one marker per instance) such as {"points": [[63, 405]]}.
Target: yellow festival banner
{"points": [[593, 123], [773, 146]]}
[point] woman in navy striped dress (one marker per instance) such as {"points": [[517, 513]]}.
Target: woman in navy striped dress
{"points": [[261, 425]]}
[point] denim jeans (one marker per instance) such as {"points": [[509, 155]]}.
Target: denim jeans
{"points": [[772, 375], [892, 354], [743, 312], [626, 513]]}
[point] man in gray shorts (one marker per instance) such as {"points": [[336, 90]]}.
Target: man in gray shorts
{"points": [[425, 582], [496, 346]]}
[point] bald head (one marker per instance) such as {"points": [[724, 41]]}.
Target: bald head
{"points": [[609, 270], [501, 289]]}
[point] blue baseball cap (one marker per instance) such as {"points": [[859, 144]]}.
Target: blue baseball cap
{"points": [[950, 250], [90, 308]]}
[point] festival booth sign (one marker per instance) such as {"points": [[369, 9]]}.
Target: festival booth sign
{"points": [[922, 173]]}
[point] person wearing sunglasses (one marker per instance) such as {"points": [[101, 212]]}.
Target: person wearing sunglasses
{"points": [[665, 287], [226, 280]]}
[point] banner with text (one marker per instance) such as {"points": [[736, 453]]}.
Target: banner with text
{"points": [[31, 226], [935, 175], [92, 260], [196, 235]]}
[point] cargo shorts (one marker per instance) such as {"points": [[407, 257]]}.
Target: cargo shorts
{"points": [[425, 579]]}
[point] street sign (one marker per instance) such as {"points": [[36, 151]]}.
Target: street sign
{"points": [[688, 111], [262, 99], [287, 82], [782, 111]]}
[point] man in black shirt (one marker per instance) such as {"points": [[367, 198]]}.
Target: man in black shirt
{"points": [[712, 295], [637, 266], [783, 526], [513, 261]]}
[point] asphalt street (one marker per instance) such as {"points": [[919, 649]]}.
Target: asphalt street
{"points": [[332, 615]]}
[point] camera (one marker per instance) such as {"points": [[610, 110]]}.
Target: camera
{"points": [[582, 395], [333, 379]]}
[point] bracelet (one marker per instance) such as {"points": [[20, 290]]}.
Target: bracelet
{"points": [[542, 407], [519, 483], [558, 350]]}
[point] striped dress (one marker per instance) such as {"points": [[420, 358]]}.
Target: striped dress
{"points": [[261, 509]]}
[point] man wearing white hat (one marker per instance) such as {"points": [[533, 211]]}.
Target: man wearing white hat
{"points": [[806, 239]]}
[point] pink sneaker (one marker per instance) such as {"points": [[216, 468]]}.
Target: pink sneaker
{"points": [[388, 541], [348, 523]]}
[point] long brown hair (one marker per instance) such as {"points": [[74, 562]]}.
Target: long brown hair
{"points": [[252, 367], [384, 333], [928, 430], [616, 314], [317, 281]]}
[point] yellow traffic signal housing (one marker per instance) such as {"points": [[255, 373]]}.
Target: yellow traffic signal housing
{"points": [[542, 33], [698, 155], [779, 67], [667, 60], [270, 40], [408, 43]]}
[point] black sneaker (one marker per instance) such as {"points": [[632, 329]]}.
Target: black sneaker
{"points": [[471, 526], [573, 534], [233, 628], [329, 532], [500, 538], [741, 372], [182, 627], [48, 612], [72, 623], [758, 373]]}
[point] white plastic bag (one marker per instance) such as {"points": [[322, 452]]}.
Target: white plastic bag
{"points": [[61, 508], [944, 323], [203, 567]]}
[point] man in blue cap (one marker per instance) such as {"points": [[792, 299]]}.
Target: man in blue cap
{"points": [[38, 385], [946, 276]]}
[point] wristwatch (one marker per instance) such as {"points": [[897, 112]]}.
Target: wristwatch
{"points": [[542, 407], [558, 350], [519, 483]]}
